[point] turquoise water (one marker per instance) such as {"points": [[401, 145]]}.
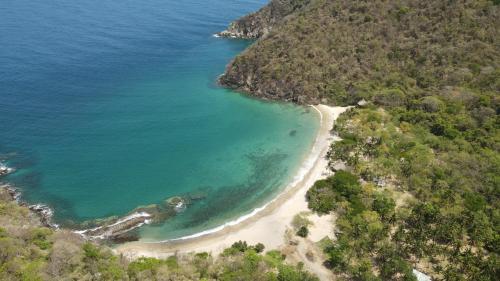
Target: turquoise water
{"points": [[108, 105]]}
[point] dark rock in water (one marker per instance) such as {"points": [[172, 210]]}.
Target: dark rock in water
{"points": [[4, 170], [8, 192], [123, 229], [172, 201], [163, 216], [292, 133], [198, 195], [95, 222], [114, 228], [13, 193], [151, 209], [119, 227], [125, 237], [158, 214], [45, 213], [260, 23], [176, 203]]}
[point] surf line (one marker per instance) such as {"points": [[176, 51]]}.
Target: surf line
{"points": [[303, 171]]}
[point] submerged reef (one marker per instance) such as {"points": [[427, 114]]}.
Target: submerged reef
{"points": [[112, 229], [122, 229]]}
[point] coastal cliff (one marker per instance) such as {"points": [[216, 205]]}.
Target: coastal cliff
{"points": [[337, 51], [260, 23]]}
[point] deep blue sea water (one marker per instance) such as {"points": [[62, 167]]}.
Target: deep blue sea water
{"points": [[107, 105]]}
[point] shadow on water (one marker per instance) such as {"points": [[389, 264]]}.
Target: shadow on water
{"points": [[26, 179], [267, 170]]}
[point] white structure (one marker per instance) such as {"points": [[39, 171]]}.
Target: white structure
{"points": [[421, 276]]}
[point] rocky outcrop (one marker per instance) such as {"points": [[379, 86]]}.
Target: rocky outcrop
{"points": [[120, 229], [45, 213], [259, 24], [242, 74], [177, 203], [246, 76], [4, 170], [12, 193], [115, 229]]}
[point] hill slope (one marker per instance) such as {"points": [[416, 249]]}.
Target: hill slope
{"points": [[260, 23], [331, 51], [421, 151]]}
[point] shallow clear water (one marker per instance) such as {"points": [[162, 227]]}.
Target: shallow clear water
{"points": [[107, 105]]}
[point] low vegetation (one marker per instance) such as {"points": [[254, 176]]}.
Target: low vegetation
{"points": [[30, 252]]}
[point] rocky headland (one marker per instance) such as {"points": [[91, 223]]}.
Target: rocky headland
{"points": [[340, 52], [260, 23]]}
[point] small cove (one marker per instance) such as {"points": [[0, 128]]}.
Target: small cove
{"points": [[106, 106]]}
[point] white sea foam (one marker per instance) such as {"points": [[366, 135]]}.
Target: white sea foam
{"points": [[306, 166], [179, 207], [4, 169], [122, 220]]}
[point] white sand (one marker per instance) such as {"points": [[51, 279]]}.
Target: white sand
{"points": [[321, 227], [268, 226]]}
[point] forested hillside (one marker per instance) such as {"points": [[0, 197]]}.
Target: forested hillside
{"points": [[259, 24], [421, 185], [340, 51]]}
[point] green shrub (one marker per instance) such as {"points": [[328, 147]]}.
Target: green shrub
{"points": [[303, 231], [259, 247], [91, 251], [300, 220], [384, 205], [143, 264], [40, 237], [345, 183], [240, 246], [321, 198], [290, 273]]}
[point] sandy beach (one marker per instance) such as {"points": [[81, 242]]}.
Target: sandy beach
{"points": [[270, 224]]}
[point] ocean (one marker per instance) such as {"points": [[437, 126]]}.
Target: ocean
{"points": [[110, 105]]}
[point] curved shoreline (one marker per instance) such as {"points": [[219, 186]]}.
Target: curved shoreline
{"points": [[267, 224], [303, 169]]}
